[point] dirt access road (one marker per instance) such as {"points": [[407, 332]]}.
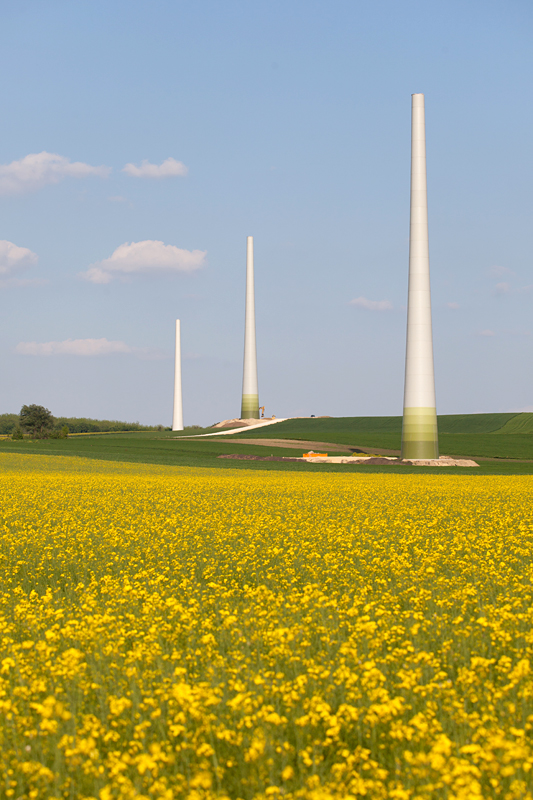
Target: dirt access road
{"points": [[302, 444]]}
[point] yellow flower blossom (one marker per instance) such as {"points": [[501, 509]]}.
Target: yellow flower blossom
{"points": [[190, 634]]}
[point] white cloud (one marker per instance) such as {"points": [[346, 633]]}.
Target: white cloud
{"points": [[73, 347], [13, 258], [502, 288], [144, 257], [498, 272], [455, 306], [486, 333], [170, 168], [118, 199], [371, 305], [38, 169], [84, 347]]}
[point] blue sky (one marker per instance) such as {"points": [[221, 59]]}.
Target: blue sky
{"points": [[288, 121]]}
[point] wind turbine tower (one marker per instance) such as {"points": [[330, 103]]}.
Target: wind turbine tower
{"points": [[250, 391], [177, 417], [419, 431]]}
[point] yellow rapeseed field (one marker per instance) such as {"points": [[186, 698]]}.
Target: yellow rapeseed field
{"points": [[191, 633]]}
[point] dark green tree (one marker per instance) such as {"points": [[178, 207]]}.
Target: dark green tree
{"points": [[37, 420]]}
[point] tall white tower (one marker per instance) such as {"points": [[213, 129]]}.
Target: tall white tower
{"points": [[250, 391], [177, 417], [419, 431]]}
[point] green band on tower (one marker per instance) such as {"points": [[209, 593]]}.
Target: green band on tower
{"points": [[419, 433], [250, 406]]}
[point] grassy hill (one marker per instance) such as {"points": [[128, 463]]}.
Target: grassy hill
{"points": [[485, 435], [520, 423], [496, 436], [144, 447], [327, 426], [473, 423], [163, 448]]}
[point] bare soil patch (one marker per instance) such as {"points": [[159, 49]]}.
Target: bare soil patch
{"points": [[303, 444]]}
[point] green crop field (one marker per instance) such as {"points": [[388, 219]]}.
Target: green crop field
{"points": [[168, 449], [141, 447], [482, 435], [323, 428], [488, 445], [474, 423], [520, 423]]}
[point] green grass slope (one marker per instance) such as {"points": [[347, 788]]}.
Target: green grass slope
{"points": [[150, 448], [473, 423], [154, 448], [491, 445], [348, 430], [330, 429], [520, 423], [485, 435]]}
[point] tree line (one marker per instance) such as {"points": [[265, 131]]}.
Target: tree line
{"points": [[38, 422]]}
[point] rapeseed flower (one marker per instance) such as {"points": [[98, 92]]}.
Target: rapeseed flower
{"points": [[184, 633]]}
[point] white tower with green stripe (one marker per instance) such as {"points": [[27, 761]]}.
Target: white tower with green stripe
{"points": [[250, 392], [419, 431], [177, 416]]}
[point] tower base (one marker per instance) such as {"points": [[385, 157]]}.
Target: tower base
{"points": [[250, 406], [420, 437]]}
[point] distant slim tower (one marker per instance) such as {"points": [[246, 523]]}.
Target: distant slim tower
{"points": [[419, 432], [177, 418], [250, 392]]}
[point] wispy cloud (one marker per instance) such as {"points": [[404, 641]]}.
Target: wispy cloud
{"points": [[499, 272], [371, 305], [502, 288], [117, 199], [486, 332], [39, 169], [14, 258], [84, 348], [146, 257], [454, 306], [170, 168], [73, 347]]}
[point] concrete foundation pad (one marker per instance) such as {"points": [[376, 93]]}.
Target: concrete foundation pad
{"points": [[349, 459], [443, 461]]}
